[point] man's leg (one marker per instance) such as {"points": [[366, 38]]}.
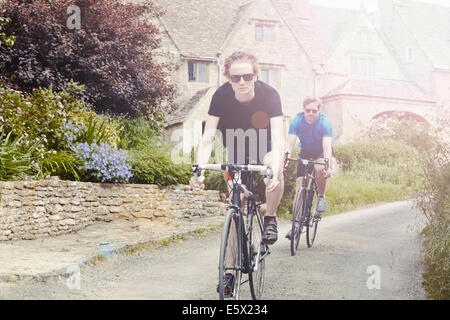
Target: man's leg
{"points": [[321, 186], [321, 181], [273, 199], [298, 185]]}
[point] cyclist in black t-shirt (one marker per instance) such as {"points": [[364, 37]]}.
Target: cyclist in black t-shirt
{"points": [[248, 114]]}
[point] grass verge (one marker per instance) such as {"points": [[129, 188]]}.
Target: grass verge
{"points": [[346, 192]]}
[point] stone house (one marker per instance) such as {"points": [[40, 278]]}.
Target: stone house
{"points": [[362, 64], [364, 75], [201, 34]]}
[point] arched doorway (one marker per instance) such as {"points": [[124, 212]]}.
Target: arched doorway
{"points": [[400, 115]]}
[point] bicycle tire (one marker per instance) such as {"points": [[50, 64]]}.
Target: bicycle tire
{"points": [[230, 251], [296, 228], [256, 252], [313, 221]]}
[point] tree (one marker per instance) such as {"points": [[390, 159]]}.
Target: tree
{"points": [[114, 53]]}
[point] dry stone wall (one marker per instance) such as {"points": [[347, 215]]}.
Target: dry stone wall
{"points": [[36, 209]]}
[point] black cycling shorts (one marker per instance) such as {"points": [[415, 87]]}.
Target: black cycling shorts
{"points": [[309, 155]]}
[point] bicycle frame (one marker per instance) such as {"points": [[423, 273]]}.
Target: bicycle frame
{"points": [[302, 216], [244, 226], [309, 184]]}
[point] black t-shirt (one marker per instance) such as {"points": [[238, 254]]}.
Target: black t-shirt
{"points": [[245, 127]]}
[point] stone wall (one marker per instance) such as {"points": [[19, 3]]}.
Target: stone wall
{"points": [[36, 209]]}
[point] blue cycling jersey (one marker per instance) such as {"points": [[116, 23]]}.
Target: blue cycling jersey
{"points": [[310, 135]]}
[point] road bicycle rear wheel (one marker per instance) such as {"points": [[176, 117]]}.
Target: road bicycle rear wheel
{"points": [[257, 251], [313, 220], [230, 259], [297, 223]]}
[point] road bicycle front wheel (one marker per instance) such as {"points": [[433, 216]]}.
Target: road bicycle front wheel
{"points": [[313, 220], [297, 223], [257, 252], [230, 258]]}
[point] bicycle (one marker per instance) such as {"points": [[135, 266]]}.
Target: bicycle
{"points": [[305, 198], [241, 248]]}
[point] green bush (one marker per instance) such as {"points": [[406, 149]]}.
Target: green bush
{"points": [[150, 158], [60, 163], [38, 117], [436, 238], [87, 126], [401, 128], [151, 164], [382, 160], [215, 180], [16, 161], [380, 151], [53, 122], [136, 132], [378, 170], [434, 201]]}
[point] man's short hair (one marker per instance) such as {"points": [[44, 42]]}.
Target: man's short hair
{"points": [[309, 100], [240, 56]]}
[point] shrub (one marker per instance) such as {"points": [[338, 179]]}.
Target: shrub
{"points": [[87, 126], [54, 122], [401, 128], [151, 164], [38, 117], [216, 181], [151, 159], [136, 132], [15, 162], [434, 201], [381, 151], [62, 163], [382, 160]]}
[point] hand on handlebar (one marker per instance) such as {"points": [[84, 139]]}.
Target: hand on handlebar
{"points": [[196, 183]]}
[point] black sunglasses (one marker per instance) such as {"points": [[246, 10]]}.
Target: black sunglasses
{"points": [[237, 77], [311, 111]]}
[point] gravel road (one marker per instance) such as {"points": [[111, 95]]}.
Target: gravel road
{"points": [[365, 254]]}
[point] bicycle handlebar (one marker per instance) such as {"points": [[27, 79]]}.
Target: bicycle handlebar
{"points": [[306, 161], [265, 170]]}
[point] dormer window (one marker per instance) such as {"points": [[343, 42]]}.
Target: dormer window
{"points": [[362, 66], [264, 33], [363, 38], [197, 71], [409, 54]]}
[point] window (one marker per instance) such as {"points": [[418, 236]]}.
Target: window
{"points": [[363, 66], [363, 38], [197, 72], [409, 54], [264, 33], [271, 76]]}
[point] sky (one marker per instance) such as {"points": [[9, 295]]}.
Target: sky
{"points": [[370, 5]]}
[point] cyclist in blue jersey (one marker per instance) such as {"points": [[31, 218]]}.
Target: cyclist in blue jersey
{"points": [[315, 132]]}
